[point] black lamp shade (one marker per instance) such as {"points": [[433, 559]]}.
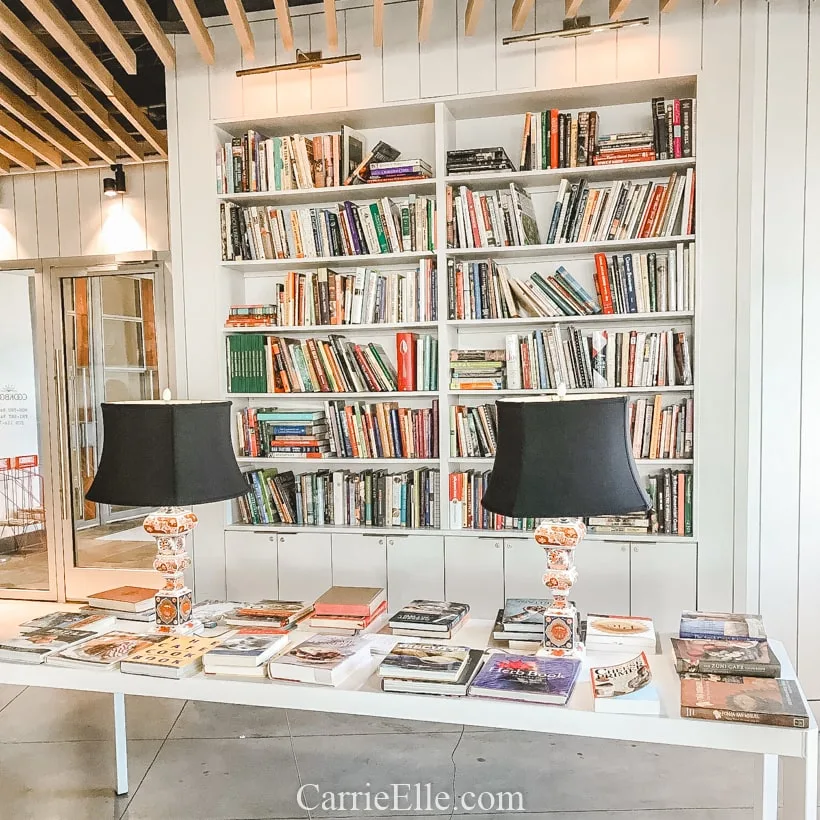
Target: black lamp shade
{"points": [[569, 458], [164, 454]]}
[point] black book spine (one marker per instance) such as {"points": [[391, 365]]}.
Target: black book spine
{"points": [[246, 163], [573, 196], [670, 131], [562, 127], [484, 290], [567, 139], [579, 214], [336, 234], [618, 358], [660, 125], [686, 127], [236, 242], [244, 235], [667, 501], [618, 213], [451, 289], [359, 232]]}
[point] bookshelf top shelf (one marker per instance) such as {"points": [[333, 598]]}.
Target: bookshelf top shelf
{"points": [[552, 176], [661, 318], [320, 396], [264, 267], [616, 391]]}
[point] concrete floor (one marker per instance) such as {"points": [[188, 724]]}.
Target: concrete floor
{"points": [[212, 762]]}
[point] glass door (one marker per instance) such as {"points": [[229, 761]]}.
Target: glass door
{"points": [[112, 332]]}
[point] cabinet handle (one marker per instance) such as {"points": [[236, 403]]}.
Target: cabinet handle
{"points": [[271, 538], [381, 541], [636, 549], [497, 545]]}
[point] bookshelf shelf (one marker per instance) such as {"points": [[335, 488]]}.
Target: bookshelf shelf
{"points": [[487, 461], [337, 193], [399, 463], [617, 391], [310, 330], [598, 318], [561, 251], [552, 176], [318, 396], [265, 266]]}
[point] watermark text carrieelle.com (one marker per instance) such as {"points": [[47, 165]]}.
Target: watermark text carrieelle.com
{"points": [[406, 797]]}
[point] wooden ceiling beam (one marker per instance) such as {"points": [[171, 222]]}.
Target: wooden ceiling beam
{"points": [[378, 23], [5, 165], [426, 17], [196, 28], [16, 153], [520, 11], [100, 115], [666, 5], [34, 120], [139, 119], [572, 7], [331, 26], [22, 136], [285, 24], [153, 31], [617, 8], [239, 20], [102, 23]]}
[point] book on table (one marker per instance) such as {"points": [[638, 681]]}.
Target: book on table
{"points": [[283, 614], [456, 688], [425, 661], [92, 621], [516, 640], [436, 617], [173, 657], [524, 615], [146, 616], [527, 678], [719, 657], [246, 647], [729, 626], [324, 659], [349, 601], [349, 624], [625, 688], [104, 651], [125, 598], [617, 633], [37, 645]]}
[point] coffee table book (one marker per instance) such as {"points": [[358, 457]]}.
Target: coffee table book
{"points": [[174, 657], [346, 624], [124, 599], [524, 615], [428, 617], [350, 601], [104, 651], [456, 688], [752, 658], [516, 640], [729, 626], [621, 633], [146, 616], [625, 688], [246, 647], [284, 614], [37, 645], [94, 622], [425, 661], [324, 659], [527, 678]]}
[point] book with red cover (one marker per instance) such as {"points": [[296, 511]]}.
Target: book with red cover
{"points": [[127, 598], [406, 361], [602, 282], [346, 621], [350, 601]]}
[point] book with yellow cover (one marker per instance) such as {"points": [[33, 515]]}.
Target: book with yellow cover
{"points": [[174, 657]]}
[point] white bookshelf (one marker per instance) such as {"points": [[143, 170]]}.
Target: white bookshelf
{"points": [[428, 130]]}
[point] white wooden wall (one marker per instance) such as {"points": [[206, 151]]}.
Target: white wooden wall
{"points": [[64, 213]]}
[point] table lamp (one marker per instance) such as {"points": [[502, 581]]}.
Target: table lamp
{"points": [[562, 460], [168, 454]]}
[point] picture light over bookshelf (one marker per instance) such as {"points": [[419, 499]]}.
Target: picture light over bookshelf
{"points": [[304, 59], [576, 27]]}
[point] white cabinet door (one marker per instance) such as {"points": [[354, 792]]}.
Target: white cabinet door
{"points": [[474, 573], [251, 571], [603, 577], [304, 565], [664, 582], [359, 560], [524, 564], [415, 569]]}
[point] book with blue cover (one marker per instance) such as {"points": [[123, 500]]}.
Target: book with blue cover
{"points": [[726, 626], [524, 614], [524, 677]]}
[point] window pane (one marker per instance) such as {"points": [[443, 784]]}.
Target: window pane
{"points": [[120, 296], [123, 343]]}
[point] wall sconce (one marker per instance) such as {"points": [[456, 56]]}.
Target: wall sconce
{"points": [[576, 27], [112, 186], [304, 59]]}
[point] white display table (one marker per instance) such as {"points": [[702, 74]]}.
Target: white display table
{"points": [[794, 751]]}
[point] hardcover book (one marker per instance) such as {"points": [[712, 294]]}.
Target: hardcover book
{"points": [[775, 702], [245, 647], [729, 626], [431, 616], [325, 659], [625, 688], [351, 623], [105, 651], [524, 614], [268, 613], [524, 677], [95, 622], [751, 658], [127, 598], [619, 632], [457, 688], [35, 646], [146, 616], [338, 600], [425, 661], [173, 657], [515, 640]]}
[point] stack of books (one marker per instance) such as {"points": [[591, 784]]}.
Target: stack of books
{"points": [[324, 659], [662, 432], [348, 610], [673, 127], [434, 669], [506, 676], [128, 603], [473, 431], [552, 139], [371, 498], [259, 427], [630, 524], [521, 623], [92, 621], [429, 619], [729, 672], [620, 633], [252, 316], [671, 493], [617, 149], [490, 219], [477, 369], [399, 170], [278, 617], [348, 229], [360, 173], [243, 653], [478, 160], [34, 646], [466, 489]]}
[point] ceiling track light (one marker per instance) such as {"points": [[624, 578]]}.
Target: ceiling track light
{"points": [[576, 27], [114, 186], [304, 59]]}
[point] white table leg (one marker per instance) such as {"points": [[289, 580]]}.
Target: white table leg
{"points": [[766, 772], [800, 783], [120, 745]]}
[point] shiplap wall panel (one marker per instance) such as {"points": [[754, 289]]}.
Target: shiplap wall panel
{"points": [[48, 232], [596, 57], [156, 206], [476, 54], [637, 46], [293, 88], [259, 90], [25, 207], [400, 60], [554, 59], [364, 78], [8, 228], [782, 318], [514, 64], [68, 212], [329, 85], [438, 64], [89, 185], [226, 87], [681, 32]]}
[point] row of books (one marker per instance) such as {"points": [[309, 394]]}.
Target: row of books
{"points": [[259, 363], [494, 218], [344, 430], [348, 229], [473, 431], [371, 498], [662, 432], [328, 297], [552, 139], [623, 210], [671, 492]]}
